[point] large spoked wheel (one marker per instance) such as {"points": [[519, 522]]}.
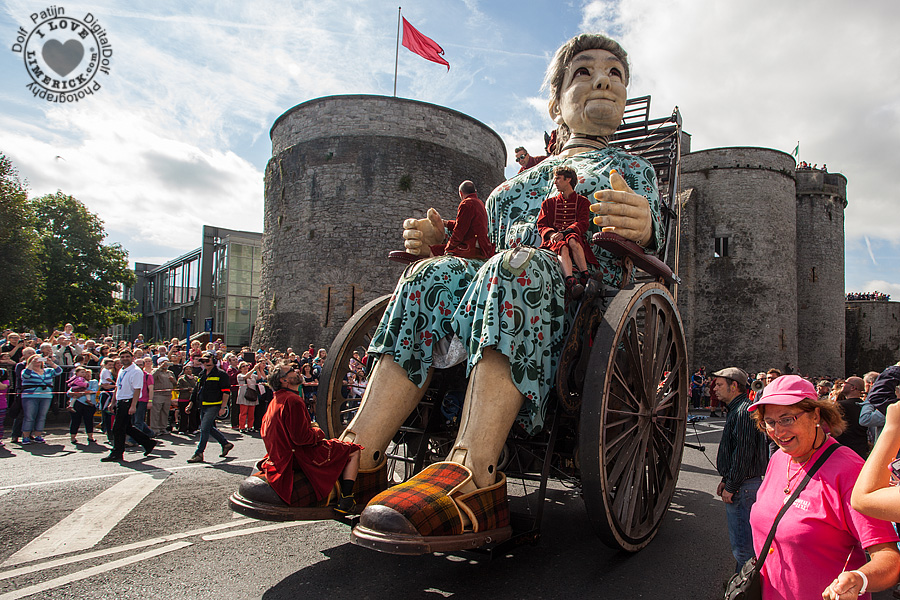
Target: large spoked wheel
{"points": [[633, 416], [334, 411]]}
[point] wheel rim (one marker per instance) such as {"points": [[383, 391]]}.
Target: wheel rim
{"points": [[337, 411], [634, 414]]}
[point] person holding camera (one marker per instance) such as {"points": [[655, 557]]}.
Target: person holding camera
{"points": [[37, 392], [248, 393], [14, 345]]}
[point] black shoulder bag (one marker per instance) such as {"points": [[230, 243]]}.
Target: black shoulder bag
{"points": [[745, 585]]}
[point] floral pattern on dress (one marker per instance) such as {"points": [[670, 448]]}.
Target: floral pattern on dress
{"points": [[420, 312], [517, 308]]}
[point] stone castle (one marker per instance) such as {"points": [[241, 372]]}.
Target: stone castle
{"points": [[761, 256]]}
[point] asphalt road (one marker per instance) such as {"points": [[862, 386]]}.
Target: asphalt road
{"points": [[157, 527]]}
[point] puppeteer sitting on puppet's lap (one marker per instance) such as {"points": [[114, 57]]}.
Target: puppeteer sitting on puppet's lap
{"points": [[505, 315]]}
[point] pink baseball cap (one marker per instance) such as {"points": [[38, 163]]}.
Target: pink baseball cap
{"points": [[786, 390]]}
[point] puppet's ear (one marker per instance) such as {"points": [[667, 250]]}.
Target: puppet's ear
{"points": [[555, 113]]}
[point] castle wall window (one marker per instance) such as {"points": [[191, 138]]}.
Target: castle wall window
{"points": [[721, 247]]}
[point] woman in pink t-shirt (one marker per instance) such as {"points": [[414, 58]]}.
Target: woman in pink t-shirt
{"points": [[820, 543]]}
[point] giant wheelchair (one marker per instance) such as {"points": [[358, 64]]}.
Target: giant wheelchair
{"points": [[617, 418]]}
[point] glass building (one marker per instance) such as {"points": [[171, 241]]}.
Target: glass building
{"points": [[215, 287]]}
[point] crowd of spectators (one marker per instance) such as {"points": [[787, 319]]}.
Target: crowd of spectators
{"points": [[806, 420], [806, 166], [875, 296], [66, 372]]}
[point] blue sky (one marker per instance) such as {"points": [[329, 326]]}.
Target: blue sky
{"points": [[178, 135]]}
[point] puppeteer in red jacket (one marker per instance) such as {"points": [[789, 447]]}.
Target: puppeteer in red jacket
{"points": [[293, 442], [469, 231], [569, 214]]}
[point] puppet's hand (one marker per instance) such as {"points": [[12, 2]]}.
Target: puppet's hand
{"points": [[420, 234], [624, 211]]}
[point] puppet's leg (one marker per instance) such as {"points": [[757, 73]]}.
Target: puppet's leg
{"points": [[459, 503], [389, 398], [490, 409]]}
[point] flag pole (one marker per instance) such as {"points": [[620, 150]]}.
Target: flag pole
{"points": [[397, 54]]}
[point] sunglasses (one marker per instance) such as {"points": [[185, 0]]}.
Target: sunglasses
{"points": [[520, 158]]}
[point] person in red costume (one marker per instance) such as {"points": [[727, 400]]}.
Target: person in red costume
{"points": [[525, 160], [294, 443], [469, 231], [563, 220]]}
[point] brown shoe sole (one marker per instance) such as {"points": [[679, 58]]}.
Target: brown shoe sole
{"points": [[275, 512], [396, 543]]}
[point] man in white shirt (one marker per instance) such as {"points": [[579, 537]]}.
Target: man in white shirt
{"points": [[129, 384]]}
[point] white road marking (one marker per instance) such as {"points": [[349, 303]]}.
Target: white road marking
{"points": [[251, 530], [115, 550], [89, 523], [90, 572], [126, 474]]}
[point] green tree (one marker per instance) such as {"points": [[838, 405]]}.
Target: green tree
{"points": [[79, 275], [18, 248]]}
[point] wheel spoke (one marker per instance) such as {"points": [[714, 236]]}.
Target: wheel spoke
{"points": [[611, 446], [614, 424], [620, 377], [661, 359], [638, 473], [633, 355]]}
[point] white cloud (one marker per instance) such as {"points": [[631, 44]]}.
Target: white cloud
{"points": [[768, 73]]}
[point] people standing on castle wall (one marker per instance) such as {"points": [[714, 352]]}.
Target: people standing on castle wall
{"points": [[562, 223], [741, 461], [876, 296], [468, 231], [525, 160]]}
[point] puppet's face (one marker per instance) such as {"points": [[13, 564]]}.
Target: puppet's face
{"points": [[593, 93]]}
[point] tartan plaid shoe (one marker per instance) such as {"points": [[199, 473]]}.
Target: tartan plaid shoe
{"points": [[255, 498], [427, 513]]}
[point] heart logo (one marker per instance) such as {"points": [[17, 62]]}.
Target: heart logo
{"points": [[62, 58]]}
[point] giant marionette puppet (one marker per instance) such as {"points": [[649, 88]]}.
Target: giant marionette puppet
{"points": [[508, 312]]}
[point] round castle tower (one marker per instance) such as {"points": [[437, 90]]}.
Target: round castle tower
{"points": [[738, 258], [344, 174], [821, 200]]}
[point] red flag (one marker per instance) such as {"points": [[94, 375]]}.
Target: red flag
{"points": [[422, 45]]}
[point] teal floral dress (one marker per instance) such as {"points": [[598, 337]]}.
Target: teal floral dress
{"points": [[515, 300]]}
